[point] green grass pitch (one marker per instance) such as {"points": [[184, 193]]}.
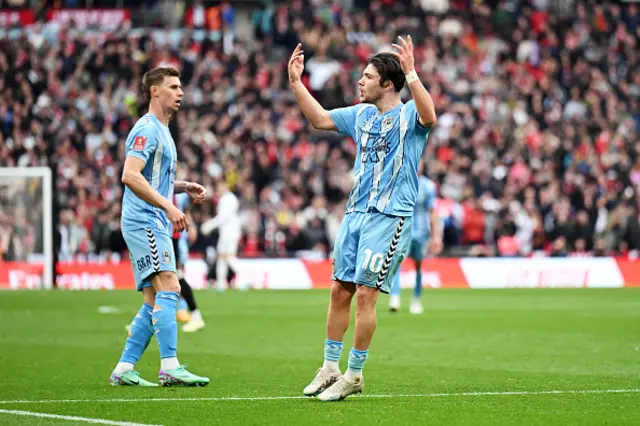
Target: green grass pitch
{"points": [[476, 357]]}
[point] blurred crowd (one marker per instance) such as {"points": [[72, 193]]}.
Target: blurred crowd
{"points": [[21, 206], [535, 150]]}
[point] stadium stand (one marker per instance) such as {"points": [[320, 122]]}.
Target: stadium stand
{"points": [[535, 150]]}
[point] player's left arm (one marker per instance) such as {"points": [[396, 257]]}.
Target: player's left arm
{"points": [[424, 102], [196, 191]]}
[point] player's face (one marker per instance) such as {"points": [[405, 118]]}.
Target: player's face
{"points": [[370, 89], [170, 93]]}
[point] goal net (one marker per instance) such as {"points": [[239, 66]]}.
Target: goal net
{"points": [[26, 234]]}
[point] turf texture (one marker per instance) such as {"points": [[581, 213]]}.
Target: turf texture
{"points": [[475, 357]]}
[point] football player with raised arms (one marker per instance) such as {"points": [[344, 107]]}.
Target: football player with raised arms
{"points": [[374, 236]]}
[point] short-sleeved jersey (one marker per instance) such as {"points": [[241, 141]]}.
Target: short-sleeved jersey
{"points": [[151, 141], [389, 147], [421, 229], [181, 201]]}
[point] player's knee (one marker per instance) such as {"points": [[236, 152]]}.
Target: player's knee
{"points": [[166, 281], [366, 298], [342, 293]]}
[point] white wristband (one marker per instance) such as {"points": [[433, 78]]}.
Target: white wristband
{"points": [[412, 76]]}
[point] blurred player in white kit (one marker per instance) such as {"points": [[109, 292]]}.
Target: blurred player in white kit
{"points": [[227, 220]]}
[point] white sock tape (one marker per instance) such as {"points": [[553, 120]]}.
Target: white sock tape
{"points": [[412, 76]]}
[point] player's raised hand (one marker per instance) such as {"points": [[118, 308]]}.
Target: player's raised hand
{"points": [[405, 54], [196, 191], [296, 64], [178, 218]]}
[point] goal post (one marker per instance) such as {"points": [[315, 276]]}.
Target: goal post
{"points": [[26, 228]]}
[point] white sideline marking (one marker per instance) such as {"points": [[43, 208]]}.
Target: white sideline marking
{"points": [[71, 418], [275, 398]]}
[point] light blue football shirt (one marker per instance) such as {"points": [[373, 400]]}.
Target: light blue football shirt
{"points": [[151, 141], [421, 228], [182, 201], [389, 147]]}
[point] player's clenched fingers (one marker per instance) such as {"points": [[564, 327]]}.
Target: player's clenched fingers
{"points": [[179, 222]]}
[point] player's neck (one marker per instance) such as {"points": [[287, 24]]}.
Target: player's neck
{"points": [[387, 103], [160, 114]]}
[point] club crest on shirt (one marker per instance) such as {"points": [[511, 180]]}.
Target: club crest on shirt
{"points": [[387, 124], [166, 257], [139, 142]]}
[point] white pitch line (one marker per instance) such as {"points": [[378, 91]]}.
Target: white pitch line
{"points": [[276, 398], [71, 418]]}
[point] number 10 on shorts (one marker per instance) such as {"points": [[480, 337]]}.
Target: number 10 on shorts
{"points": [[372, 261]]}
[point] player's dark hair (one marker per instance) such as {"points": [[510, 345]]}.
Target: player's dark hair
{"points": [[388, 66], [155, 77]]}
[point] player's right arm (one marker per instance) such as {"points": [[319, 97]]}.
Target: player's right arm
{"points": [[422, 99], [315, 113], [137, 156]]}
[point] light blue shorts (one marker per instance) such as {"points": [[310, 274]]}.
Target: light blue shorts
{"points": [[150, 251], [370, 247]]}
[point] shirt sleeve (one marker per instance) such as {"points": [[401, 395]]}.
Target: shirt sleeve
{"points": [[345, 120], [414, 119], [142, 143]]}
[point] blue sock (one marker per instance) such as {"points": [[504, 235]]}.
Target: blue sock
{"points": [[417, 290], [395, 287], [182, 305], [140, 334], [165, 324], [332, 350], [357, 359]]}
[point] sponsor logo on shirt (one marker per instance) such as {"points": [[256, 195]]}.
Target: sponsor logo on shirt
{"points": [[144, 263]]}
